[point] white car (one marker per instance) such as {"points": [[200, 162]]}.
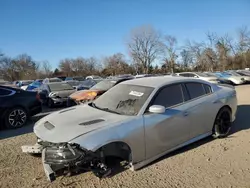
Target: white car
{"points": [[202, 76], [138, 121], [236, 80], [235, 74]]}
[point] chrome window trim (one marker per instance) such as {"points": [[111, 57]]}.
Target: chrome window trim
{"points": [[12, 92]]}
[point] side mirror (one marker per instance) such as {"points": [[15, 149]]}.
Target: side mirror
{"points": [[157, 109], [196, 76]]}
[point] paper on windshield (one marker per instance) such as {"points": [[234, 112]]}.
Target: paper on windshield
{"points": [[136, 93]]}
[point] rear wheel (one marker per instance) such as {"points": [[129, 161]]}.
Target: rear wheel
{"points": [[222, 124], [15, 118]]}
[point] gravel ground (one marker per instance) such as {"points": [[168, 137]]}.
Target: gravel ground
{"points": [[207, 163]]}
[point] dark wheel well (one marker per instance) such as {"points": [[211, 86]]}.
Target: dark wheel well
{"points": [[226, 106], [116, 149], [223, 107]]}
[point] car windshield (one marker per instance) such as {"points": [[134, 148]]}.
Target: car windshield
{"points": [[26, 82], [55, 80], [202, 74], [72, 82], [60, 87], [36, 84], [104, 85], [123, 99], [79, 78]]}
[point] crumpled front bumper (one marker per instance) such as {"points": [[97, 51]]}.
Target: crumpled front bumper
{"points": [[86, 161], [50, 174]]}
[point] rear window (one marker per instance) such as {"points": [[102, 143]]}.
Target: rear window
{"points": [[104, 85], [60, 87], [195, 90], [207, 88]]}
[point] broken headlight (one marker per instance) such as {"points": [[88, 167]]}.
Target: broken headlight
{"points": [[62, 154]]}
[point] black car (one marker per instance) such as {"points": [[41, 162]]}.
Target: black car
{"points": [[55, 93], [16, 106]]}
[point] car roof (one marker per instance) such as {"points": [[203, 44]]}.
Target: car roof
{"points": [[56, 83], [158, 81]]}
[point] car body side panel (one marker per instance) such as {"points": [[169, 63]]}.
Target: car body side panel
{"points": [[164, 131], [227, 96], [130, 132], [202, 112]]}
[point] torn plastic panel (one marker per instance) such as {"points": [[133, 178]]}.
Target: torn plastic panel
{"points": [[68, 159]]}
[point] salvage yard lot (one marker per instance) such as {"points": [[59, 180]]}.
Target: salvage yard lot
{"points": [[207, 163]]}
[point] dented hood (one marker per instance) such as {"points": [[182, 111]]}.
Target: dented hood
{"points": [[69, 123]]}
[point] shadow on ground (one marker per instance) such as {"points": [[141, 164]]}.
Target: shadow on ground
{"points": [[240, 124]]}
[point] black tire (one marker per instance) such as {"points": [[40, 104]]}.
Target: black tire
{"points": [[50, 103], [222, 123], [15, 118]]}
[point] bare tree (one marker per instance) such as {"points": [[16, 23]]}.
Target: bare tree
{"points": [[46, 68], [195, 50], [243, 43], [116, 64], [144, 46], [171, 55], [65, 66]]}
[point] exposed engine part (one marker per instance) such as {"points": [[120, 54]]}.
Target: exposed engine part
{"points": [[69, 159]]}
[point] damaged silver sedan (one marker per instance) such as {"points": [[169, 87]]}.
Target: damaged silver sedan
{"points": [[138, 121]]}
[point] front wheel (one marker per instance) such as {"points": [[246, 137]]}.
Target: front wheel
{"points": [[15, 118], [222, 124]]}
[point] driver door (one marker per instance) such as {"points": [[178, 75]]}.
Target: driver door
{"points": [[170, 129]]}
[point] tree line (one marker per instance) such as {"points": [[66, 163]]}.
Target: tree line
{"points": [[150, 51]]}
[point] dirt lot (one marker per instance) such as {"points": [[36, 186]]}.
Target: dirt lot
{"points": [[207, 163]]}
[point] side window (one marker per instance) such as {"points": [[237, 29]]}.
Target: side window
{"points": [[4, 92], [195, 90], [183, 74], [207, 88], [169, 96], [191, 75]]}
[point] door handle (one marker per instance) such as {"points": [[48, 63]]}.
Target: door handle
{"points": [[185, 113]]}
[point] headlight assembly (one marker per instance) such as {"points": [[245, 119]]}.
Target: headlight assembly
{"points": [[62, 154]]}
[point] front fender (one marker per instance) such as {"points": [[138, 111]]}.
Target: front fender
{"points": [[131, 133]]}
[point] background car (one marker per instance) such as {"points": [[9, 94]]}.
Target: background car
{"points": [[94, 77], [235, 80], [55, 93], [77, 78], [73, 83], [202, 76], [36, 84], [83, 96], [87, 84], [50, 80], [236, 74], [222, 79], [23, 84], [243, 72], [17, 105]]}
